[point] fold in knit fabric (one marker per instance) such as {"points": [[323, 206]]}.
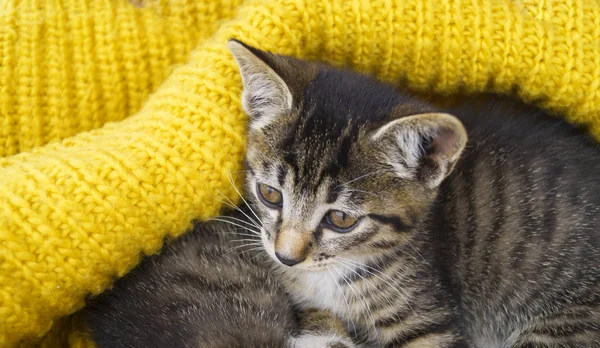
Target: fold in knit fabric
{"points": [[78, 213]]}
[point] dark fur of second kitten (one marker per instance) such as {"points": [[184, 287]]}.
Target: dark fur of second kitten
{"points": [[201, 291], [475, 226]]}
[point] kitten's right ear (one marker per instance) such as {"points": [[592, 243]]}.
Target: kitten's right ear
{"points": [[265, 95]]}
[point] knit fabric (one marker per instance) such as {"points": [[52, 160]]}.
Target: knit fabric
{"points": [[78, 213], [71, 66]]}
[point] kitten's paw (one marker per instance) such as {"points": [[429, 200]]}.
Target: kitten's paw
{"points": [[318, 340]]}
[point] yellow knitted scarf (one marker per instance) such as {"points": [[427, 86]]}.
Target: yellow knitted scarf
{"points": [[82, 198]]}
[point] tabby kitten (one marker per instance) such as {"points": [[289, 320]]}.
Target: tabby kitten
{"points": [[471, 227], [206, 290]]}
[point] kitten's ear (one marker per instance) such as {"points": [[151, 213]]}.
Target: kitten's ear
{"points": [[424, 147], [265, 96]]}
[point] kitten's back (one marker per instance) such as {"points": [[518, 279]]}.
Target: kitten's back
{"points": [[201, 291], [522, 213]]}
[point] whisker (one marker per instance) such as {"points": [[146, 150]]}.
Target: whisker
{"points": [[358, 293], [371, 284], [393, 283], [230, 178], [365, 192], [244, 245], [238, 225], [364, 176], [251, 235], [250, 250], [341, 291], [245, 240], [231, 205], [237, 219], [259, 255], [418, 253], [363, 268]]}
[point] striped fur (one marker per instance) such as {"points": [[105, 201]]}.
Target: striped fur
{"points": [[491, 245], [201, 291], [211, 288]]}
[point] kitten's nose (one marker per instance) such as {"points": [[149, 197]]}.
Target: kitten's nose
{"points": [[286, 261]]}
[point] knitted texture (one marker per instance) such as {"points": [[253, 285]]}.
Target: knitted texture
{"points": [[71, 66], [78, 213]]}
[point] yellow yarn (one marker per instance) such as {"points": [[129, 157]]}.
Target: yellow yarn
{"points": [[71, 66], [77, 213]]}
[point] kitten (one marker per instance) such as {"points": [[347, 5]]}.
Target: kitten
{"points": [[206, 289], [471, 227]]}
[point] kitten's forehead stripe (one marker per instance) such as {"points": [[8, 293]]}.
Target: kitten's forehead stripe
{"points": [[281, 174], [332, 193], [335, 106]]}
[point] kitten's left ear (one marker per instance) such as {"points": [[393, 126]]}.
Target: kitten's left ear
{"points": [[424, 147], [265, 96]]}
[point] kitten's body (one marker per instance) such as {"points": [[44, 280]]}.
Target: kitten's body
{"points": [[520, 217], [511, 239], [494, 244]]}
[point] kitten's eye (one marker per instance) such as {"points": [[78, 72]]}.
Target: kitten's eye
{"points": [[270, 196], [340, 221]]}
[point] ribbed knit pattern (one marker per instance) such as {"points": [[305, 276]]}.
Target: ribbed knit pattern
{"points": [[71, 66], [78, 213]]}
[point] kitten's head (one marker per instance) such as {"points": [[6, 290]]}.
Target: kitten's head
{"points": [[339, 164]]}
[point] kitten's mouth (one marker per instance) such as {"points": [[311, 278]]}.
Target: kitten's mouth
{"points": [[308, 265], [306, 268]]}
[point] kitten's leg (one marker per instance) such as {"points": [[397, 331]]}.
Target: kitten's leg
{"points": [[433, 340], [438, 329], [321, 329]]}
